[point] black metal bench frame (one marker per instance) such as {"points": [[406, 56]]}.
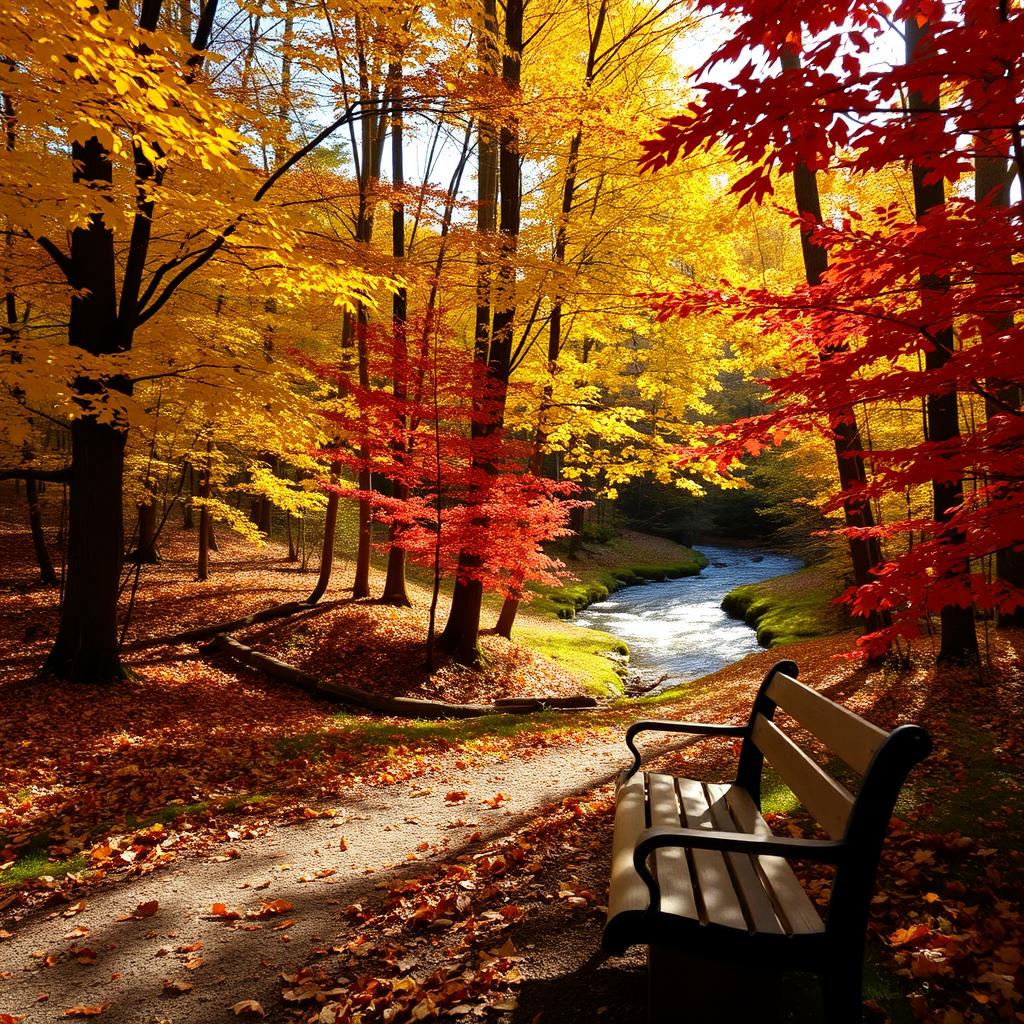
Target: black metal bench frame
{"points": [[653, 865]]}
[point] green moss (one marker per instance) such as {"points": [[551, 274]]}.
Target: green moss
{"points": [[583, 652], [597, 580], [788, 608]]}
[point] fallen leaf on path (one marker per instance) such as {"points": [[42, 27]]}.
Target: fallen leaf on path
{"points": [[9, 1018], [174, 987], [221, 910], [86, 1011], [455, 796], [248, 1006], [194, 962], [75, 908], [141, 912], [271, 907]]}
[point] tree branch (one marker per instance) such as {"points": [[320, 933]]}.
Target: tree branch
{"points": [[218, 243]]}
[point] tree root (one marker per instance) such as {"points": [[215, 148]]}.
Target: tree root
{"points": [[191, 636], [404, 707]]}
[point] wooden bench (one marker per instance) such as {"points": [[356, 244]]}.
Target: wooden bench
{"points": [[697, 872]]}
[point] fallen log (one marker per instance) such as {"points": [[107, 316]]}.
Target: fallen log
{"points": [[192, 636], [402, 707]]}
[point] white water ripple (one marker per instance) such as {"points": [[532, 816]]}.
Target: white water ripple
{"points": [[676, 629]]}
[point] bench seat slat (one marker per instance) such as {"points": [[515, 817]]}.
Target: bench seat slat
{"points": [[846, 734], [757, 903], [826, 799], [799, 913], [713, 882], [628, 891], [671, 866]]}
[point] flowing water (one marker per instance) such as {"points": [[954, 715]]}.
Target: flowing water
{"points": [[676, 629]]}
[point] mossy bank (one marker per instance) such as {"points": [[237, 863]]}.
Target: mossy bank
{"points": [[598, 659], [788, 608], [626, 559]]}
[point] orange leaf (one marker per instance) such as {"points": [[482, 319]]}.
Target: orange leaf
{"points": [[86, 1011], [141, 912], [905, 936], [272, 907], [221, 910]]}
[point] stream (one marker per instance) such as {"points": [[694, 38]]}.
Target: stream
{"points": [[676, 629]]}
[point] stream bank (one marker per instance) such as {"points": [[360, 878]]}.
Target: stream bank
{"points": [[676, 630]]}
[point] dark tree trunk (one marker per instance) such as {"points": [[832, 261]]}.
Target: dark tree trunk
{"points": [[35, 522], [205, 519], [146, 550], [372, 145], [188, 521], [86, 646], [327, 548], [865, 553], [460, 636], [395, 592], [361, 582], [510, 607], [293, 552], [992, 178], [959, 640], [331, 515]]}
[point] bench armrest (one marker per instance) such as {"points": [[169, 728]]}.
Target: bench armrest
{"points": [[697, 728], [825, 850]]}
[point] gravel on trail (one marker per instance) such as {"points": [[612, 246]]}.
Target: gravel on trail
{"points": [[186, 964]]}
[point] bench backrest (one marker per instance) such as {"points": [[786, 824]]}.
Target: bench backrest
{"points": [[881, 759]]}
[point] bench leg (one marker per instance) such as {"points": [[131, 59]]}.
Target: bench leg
{"points": [[687, 990], [843, 999]]}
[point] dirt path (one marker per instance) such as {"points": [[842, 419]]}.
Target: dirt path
{"points": [[385, 832]]}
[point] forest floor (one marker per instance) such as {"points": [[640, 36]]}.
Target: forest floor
{"points": [[202, 844]]}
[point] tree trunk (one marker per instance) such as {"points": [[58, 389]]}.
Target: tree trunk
{"points": [[205, 520], [959, 641], [395, 592], [361, 582], [86, 646], [331, 514], [992, 178], [35, 522], [146, 550], [462, 629], [293, 554], [188, 521], [510, 607], [372, 145], [865, 553]]}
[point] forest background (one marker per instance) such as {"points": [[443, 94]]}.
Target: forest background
{"points": [[205, 308]]}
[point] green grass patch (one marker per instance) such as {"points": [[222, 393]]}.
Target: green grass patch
{"points": [[34, 862], [788, 608], [583, 652]]}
